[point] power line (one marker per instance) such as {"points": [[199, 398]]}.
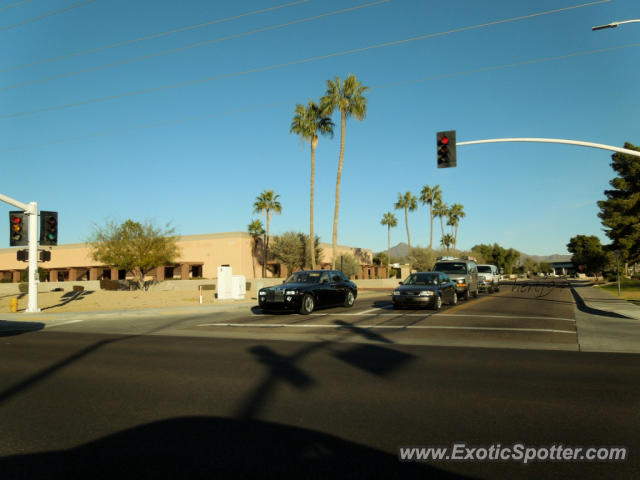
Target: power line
{"points": [[155, 35], [291, 63], [15, 5], [55, 12], [195, 45], [291, 102]]}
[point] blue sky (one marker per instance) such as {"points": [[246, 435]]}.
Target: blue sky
{"points": [[198, 153]]}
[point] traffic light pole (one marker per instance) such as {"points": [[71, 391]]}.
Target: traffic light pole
{"points": [[554, 140], [32, 210]]}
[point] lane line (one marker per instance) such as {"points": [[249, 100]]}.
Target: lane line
{"points": [[366, 311], [397, 327], [520, 317], [63, 323]]}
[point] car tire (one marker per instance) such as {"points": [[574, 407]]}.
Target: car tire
{"points": [[476, 293], [349, 299], [438, 303], [466, 296], [454, 299], [307, 305], [497, 288], [490, 289], [396, 306]]}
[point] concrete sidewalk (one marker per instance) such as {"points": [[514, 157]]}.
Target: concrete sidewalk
{"points": [[605, 323]]}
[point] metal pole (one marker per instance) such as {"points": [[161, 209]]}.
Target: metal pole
{"points": [[614, 24], [554, 140], [32, 304], [618, 269]]}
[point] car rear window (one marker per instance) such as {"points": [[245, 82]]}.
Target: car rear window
{"points": [[484, 269], [451, 267]]}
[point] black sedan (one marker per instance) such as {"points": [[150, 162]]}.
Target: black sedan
{"points": [[304, 291], [425, 289]]}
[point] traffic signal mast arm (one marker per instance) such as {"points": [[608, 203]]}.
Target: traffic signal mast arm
{"points": [[554, 140]]}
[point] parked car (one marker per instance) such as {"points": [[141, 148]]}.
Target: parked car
{"points": [[306, 290], [463, 272], [489, 278], [425, 289]]}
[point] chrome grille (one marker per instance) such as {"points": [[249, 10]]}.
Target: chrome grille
{"points": [[275, 296]]}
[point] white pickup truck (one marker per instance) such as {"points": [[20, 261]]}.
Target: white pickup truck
{"points": [[488, 278]]}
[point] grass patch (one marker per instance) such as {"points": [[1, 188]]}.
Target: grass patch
{"points": [[629, 289]]}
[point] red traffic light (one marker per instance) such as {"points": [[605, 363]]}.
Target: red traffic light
{"points": [[444, 140], [15, 219]]}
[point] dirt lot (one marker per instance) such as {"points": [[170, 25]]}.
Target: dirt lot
{"points": [[109, 300]]}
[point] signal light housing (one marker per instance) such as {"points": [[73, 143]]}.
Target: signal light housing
{"points": [[48, 228], [18, 229], [446, 149]]}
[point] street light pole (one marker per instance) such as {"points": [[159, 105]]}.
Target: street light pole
{"points": [[614, 24]]}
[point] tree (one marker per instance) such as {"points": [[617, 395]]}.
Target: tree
{"points": [[456, 212], [268, 203], [441, 209], [422, 259], [588, 251], [308, 122], [430, 196], [348, 98], [408, 202], [498, 256], [350, 265], [256, 230], [291, 249], [390, 220], [447, 241], [135, 247], [620, 212]]}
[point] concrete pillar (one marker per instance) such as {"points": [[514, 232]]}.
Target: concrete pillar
{"points": [[15, 276], [73, 275], [283, 271], [114, 274], [160, 273], [184, 271], [93, 273]]}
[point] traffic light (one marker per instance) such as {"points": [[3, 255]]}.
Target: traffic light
{"points": [[48, 228], [18, 229], [22, 255], [45, 255], [446, 148]]}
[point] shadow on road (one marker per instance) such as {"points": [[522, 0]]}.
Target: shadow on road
{"points": [[211, 447], [9, 328]]}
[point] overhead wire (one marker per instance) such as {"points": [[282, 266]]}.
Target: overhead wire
{"points": [[291, 101], [293, 62], [195, 45], [55, 12], [153, 36], [13, 5]]}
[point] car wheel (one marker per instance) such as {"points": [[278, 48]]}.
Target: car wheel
{"points": [[490, 289], [466, 295], [438, 303], [497, 288], [307, 304], [454, 299], [396, 306], [349, 299], [476, 293]]}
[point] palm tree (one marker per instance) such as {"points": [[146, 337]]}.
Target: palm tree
{"points": [[408, 202], [456, 212], [347, 97], [441, 209], [429, 196], [255, 229], [447, 241], [390, 220], [268, 203], [308, 122]]}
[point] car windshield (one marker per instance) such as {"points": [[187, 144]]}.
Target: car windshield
{"points": [[421, 279], [304, 277], [484, 269], [451, 267]]}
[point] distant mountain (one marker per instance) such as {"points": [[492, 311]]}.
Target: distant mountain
{"points": [[399, 251]]}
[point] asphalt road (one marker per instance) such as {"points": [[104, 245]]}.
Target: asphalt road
{"points": [[170, 396]]}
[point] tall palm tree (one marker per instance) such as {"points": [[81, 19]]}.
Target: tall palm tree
{"points": [[408, 202], [441, 209], [308, 122], [456, 213], [268, 203], [390, 220], [429, 196], [255, 229], [347, 97]]}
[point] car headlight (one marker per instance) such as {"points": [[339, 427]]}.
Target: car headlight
{"points": [[291, 292], [460, 280], [426, 293], [396, 292], [262, 293]]}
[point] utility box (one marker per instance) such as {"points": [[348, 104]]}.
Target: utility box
{"points": [[225, 287], [238, 287]]}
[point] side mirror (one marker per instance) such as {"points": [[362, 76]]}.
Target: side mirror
{"points": [[400, 283]]}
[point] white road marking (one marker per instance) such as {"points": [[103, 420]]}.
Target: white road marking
{"points": [[62, 323], [503, 316], [397, 327], [366, 311], [398, 314]]}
